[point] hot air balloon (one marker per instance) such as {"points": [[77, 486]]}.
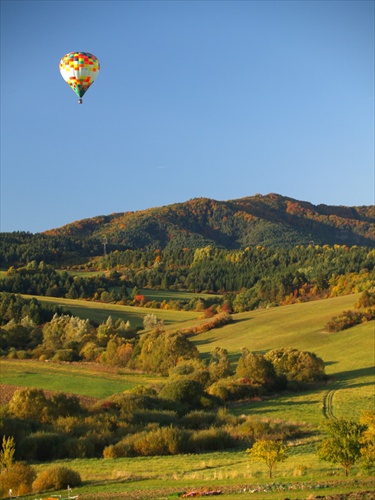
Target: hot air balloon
{"points": [[79, 70]]}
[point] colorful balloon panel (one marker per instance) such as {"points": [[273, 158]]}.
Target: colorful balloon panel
{"points": [[79, 70]]}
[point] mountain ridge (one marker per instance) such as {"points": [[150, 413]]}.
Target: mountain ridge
{"points": [[268, 220]]}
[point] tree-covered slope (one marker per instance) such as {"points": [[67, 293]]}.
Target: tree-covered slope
{"points": [[270, 220]]}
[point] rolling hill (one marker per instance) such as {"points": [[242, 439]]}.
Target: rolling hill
{"points": [[271, 220]]}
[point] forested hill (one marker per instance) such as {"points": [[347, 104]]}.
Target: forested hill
{"points": [[270, 220]]}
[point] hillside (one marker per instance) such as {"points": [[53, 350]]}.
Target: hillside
{"points": [[270, 220]]}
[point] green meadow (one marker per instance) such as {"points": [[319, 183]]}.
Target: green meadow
{"points": [[99, 312], [81, 379], [349, 356]]}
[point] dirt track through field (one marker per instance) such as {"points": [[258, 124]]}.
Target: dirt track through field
{"points": [[328, 403]]}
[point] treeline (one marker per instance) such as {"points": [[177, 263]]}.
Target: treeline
{"points": [[42, 279], [245, 279], [20, 248], [269, 276]]}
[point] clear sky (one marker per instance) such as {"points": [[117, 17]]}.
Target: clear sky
{"points": [[218, 99]]}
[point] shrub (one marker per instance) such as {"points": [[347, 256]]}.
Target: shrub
{"points": [[198, 420], [161, 441], [367, 299], [301, 366], [160, 351], [116, 451], [42, 446], [156, 441], [30, 404], [18, 477], [56, 478], [65, 405], [234, 390], [257, 369], [68, 355], [163, 418], [348, 319], [212, 439], [184, 391], [254, 429]]}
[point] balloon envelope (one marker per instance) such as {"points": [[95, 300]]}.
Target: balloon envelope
{"points": [[79, 70]]}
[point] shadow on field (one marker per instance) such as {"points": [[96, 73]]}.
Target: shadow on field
{"points": [[329, 363], [353, 374], [277, 405], [205, 341]]}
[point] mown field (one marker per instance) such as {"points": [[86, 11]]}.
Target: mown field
{"points": [[99, 312], [349, 356]]}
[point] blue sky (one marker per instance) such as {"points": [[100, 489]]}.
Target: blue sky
{"points": [[218, 99]]}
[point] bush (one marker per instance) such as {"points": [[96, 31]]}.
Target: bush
{"points": [[295, 365], [163, 418], [198, 420], [212, 439], [184, 391], [257, 369], [65, 405], [156, 441], [160, 351], [30, 404], [67, 355], [42, 446], [234, 390], [348, 319], [19, 478], [56, 478]]}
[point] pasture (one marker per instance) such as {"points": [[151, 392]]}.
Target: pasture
{"points": [[299, 477], [349, 356], [99, 312]]}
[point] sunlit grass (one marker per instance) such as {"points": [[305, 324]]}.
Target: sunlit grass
{"points": [[99, 312], [349, 357], [172, 475], [85, 380]]}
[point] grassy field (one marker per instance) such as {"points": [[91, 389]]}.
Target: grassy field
{"points": [[99, 312], [300, 476], [349, 356], [76, 378]]}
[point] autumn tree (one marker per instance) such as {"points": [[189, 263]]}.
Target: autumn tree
{"points": [[160, 351], [219, 366], [256, 368], [303, 366], [269, 452], [30, 404], [343, 443], [7, 452], [367, 419]]}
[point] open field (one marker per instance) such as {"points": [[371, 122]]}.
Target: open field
{"points": [[84, 379], [349, 357], [99, 312], [300, 476]]}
